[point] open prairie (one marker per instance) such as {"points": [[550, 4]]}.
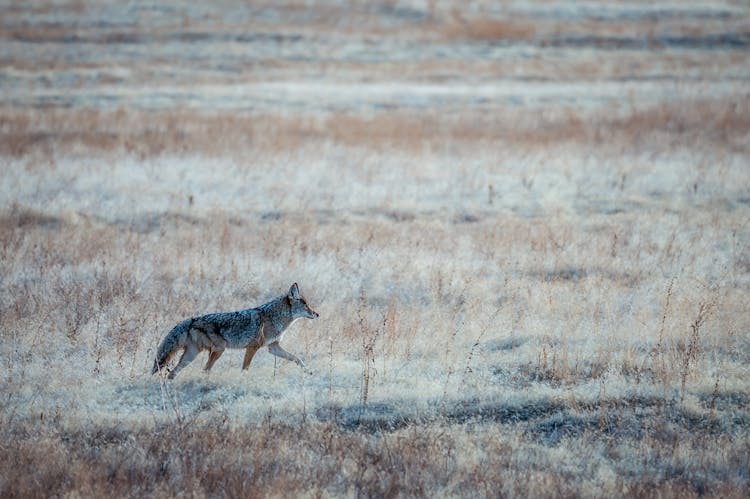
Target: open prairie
{"points": [[525, 226]]}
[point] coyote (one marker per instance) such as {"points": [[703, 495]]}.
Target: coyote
{"points": [[250, 329]]}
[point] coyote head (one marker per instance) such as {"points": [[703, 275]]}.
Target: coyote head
{"points": [[300, 308]]}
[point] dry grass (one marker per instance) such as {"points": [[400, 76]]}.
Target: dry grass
{"points": [[703, 123], [549, 342], [217, 459], [488, 29], [527, 288]]}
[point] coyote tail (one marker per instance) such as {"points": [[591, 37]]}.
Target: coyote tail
{"points": [[169, 344]]}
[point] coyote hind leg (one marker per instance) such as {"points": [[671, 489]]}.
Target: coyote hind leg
{"points": [[213, 356], [187, 357], [249, 353]]}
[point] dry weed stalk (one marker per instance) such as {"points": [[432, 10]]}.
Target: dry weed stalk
{"points": [[603, 406], [478, 341], [692, 350], [369, 337], [657, 352], [714, 396], [389, 331]]}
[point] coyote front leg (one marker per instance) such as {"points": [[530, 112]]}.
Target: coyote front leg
{"points": [[276, 350]]}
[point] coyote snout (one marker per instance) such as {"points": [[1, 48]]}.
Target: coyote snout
{"points": [[250, 329]]}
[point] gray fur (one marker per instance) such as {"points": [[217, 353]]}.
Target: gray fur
{"points": [[250, 329]]}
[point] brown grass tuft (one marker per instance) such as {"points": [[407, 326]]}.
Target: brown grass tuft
{"points": [[488, 29]]}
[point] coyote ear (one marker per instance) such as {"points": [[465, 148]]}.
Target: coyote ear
{"points": [[294, 291]]}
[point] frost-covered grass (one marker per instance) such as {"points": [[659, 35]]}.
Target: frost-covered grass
{"points": [[523, 295], [556, 331]]}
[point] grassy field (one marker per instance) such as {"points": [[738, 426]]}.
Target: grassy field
{"points": [[525, 226]]}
